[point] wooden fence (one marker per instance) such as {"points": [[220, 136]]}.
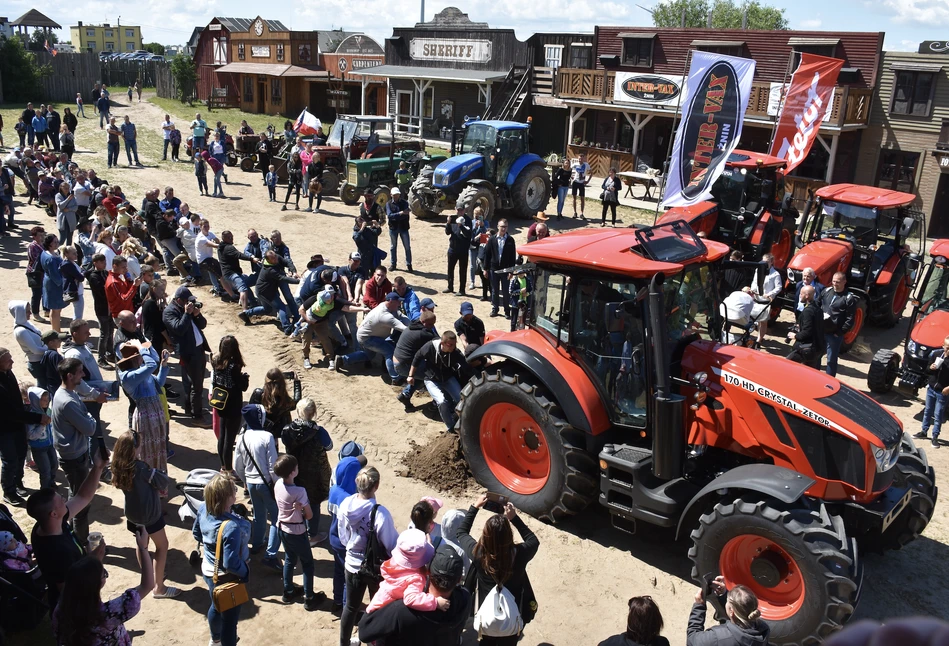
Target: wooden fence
{"points": [[119, 74], [72, 73], [167, 88]]}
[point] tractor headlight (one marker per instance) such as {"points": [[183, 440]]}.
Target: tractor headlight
{"points": [[911, 347], [886, 458]]}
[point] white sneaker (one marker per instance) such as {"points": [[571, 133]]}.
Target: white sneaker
{"points": [[332, 365], [306, 364], [213, 643]]}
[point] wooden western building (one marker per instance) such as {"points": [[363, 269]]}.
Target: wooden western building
{"points": [[342, 53], [906, 146], [441, 71], [617, 130]]}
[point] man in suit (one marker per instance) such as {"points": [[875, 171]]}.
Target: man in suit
{"points": [[185, 324], [809, 343], [500, 253]]}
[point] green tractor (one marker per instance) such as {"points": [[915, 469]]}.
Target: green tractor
{"points": [[377, 174]]}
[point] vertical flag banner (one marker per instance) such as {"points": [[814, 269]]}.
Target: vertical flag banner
{"points": [[713, 112], [808, 101]]}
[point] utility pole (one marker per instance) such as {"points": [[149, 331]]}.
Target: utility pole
{"points": [[744, 19], [683, 18], [422, 16]]}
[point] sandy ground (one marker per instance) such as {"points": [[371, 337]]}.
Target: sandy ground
{"points": [[585, 570]]}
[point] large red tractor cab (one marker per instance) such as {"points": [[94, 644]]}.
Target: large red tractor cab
{"points": [[749, 209], [928, 328], [618, 391], [870, 234]]}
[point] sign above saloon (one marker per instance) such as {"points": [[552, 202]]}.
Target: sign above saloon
{"points": [[445, 49], [260, 51], [631, 87]]}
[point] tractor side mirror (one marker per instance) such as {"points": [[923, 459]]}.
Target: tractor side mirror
{"points": [[909, 223]]}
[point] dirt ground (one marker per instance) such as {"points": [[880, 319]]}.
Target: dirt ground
{"points": [[585, 570]]}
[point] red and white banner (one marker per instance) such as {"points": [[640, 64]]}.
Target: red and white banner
{"points": [[307, 123], [807, 101]]}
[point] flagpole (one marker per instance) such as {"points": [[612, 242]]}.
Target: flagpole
{"points": [[781, 100], [665, 166]]}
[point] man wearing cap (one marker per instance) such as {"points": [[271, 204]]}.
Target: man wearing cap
{"points": [[411, 305], [317, 311], [397, 214], [351, 278], [470, 329], [397, 625], [185, 324], [445, 370], [459, 240], [373, 335]]}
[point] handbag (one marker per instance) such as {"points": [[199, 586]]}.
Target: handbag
{"points": [[371, 567], [218, 398], [226, 596]]}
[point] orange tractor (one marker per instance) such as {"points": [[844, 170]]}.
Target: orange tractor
{"points": [[928, 327], [749, 209], [870, 234], [617, 391]]}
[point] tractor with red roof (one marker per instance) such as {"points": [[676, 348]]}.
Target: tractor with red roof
{"points": [[749, 210], [928, 328], [617, 390], [870, 234]]}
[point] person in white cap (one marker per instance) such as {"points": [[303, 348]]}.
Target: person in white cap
{"points": [[397, 214]]}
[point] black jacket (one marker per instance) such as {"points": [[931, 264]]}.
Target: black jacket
{"points": [[397, 625], [152, 216], [166, 230], [268, 281], [841, 308], [442, 366], [16, 417], [178, 324], [230, 258], [497, 259], [71, 121], [811, 328], [623, 640], [152, 324], [53, 121], [96, 279], [412, 340], [727, 634], [561, 178], [459, 237]]}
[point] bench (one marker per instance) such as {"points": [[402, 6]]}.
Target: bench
{"points": [[222, 102]]}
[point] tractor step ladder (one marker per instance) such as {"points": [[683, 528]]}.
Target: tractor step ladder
{"points": [[631, 492]]}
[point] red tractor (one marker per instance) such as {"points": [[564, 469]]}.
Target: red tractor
{"points": [[928, 327], [870, 234], [617, 391], [749, 210]]}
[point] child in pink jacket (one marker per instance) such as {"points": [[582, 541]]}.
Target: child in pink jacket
{"points": [[404, 575]]}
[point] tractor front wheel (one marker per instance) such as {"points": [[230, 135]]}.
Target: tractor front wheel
{"points": [[474, 196], [516, 441], [247, 164], [230, 158], [330, 182], [530, 192], [883, 371], [799, 562], [349, 194], [859, 318]]}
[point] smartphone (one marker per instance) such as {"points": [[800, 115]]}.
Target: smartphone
{"points": [[289, 375], [103, 452], [707, 580], [496, 502]]}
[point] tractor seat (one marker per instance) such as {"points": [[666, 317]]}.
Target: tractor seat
{"points": [[881, 256]]}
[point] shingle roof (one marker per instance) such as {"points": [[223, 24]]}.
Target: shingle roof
{"points": [[34, 18], [330, 40], [244, 24]]}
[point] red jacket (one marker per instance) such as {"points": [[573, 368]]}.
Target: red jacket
{"points": [[120, 293], [375, 294]]}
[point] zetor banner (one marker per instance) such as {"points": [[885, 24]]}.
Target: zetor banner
{"points": [[713, 112], [808, 100]]}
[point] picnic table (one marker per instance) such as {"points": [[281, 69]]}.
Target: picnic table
{"points": [[632, 178]]}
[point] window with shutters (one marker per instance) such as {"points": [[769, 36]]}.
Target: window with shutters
{"points": [[240, 51], [248, 88], [897, 170], [638, 51], [279, 51], [913, 93], [276, 91]]}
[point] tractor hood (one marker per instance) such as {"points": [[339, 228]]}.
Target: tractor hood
{"points": [[823, 256], [701, 216], [457, 168], [932, 330]]}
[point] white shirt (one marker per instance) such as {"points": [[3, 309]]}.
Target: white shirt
{"points": [[772, 284], [106, 251], [380, 322], [198, 337], [501, 241], [83, 193], [167, 133], [202, 250]]}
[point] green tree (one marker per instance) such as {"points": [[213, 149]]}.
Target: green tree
{"points": [[185, 75], [154, 48], [726, 14], [21, 74]]}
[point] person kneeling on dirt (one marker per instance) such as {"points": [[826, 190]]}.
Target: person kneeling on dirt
{"points": [[809, 344], [643, 625], [934, 413], [744, 626], [445, 370]]}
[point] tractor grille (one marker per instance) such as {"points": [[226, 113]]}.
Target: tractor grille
{"points": [[351, 178], [867, 413], [831, 455]]}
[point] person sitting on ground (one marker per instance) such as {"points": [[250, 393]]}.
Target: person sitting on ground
{"points": [[308, 442], [404, 575], [374, 335], [411, 305], [254, 460], [470, 329], [744, 626], [377, 288], [445, 370], [317, 312], [643, 625]]}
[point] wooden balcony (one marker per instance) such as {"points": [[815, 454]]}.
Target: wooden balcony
{"points": [[851, 105]]}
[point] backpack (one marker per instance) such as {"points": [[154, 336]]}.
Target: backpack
{"points": [[498, 615], [371, 566]]}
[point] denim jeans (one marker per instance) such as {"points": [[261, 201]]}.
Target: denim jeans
{"points": [[131, 148], [197, 145], [12, 455], [394, 237], [356, 587], [403, 371], [446, 394], [238, 282], [339, 575], [46, 463], [217, 183], [76, 470], [297, 546], [170, 248], [264, 505], [113, 154], [95, 409], [164, 150], [353, 328], [834, 341], [472, 264], [292, 308], [223, 624], [267, 306], [6, 202], [374, 345], [103, 116], [561, 198], [935, 411]]}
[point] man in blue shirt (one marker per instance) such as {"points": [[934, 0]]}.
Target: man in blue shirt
{"points": [[39, 128], [170, 203], [397, 213], [129, 135], [411, 305], [103, 106]]}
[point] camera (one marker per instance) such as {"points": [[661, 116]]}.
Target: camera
{"points": [[197, 304]]}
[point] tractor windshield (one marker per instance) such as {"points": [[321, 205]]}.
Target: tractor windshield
{"points": [[859, 221], [732, 188], [936, 293], [479, 139], [690, 302]]}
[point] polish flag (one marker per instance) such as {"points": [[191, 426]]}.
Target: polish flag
{"points": [[306, 123]]}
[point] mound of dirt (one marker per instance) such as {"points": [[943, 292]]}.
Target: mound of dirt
{"points": [[439, 464]]}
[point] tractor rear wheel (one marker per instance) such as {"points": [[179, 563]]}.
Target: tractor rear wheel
{"points": [[913, 471], [230, 158], [883, 371], [349, 194], [247, 164], [330, 182], [799, 562], [859, 318], [530, 192], [516, 441], [891, 300], [381, 196], [422, 183], [476, 195]]}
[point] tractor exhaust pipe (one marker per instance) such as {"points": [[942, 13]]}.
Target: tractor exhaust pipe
{"points": [[668, 435]]}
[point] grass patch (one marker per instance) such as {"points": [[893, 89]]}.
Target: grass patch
{"points": [[183, 114]]}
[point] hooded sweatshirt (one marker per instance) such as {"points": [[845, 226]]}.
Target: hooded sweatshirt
{"points": [[345, 486], [401, 626], [451, 523], [40, 436], [353, 528], [727, 634], [25, 333]]}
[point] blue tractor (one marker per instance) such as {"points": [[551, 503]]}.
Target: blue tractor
{"points": [[494, 170]]}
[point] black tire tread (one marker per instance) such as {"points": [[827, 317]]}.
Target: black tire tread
{"points": [[519, 204], [845, 347], [880, 311], [877, 373], [470, 194]]}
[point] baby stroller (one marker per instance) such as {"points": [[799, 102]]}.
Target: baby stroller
{"points": [[741, 312], [192, 489], [22, 589]]}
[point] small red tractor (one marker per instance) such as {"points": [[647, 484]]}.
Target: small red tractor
{"points": [[928, 328], [617, 390], [749, 210], [870, 234]]}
